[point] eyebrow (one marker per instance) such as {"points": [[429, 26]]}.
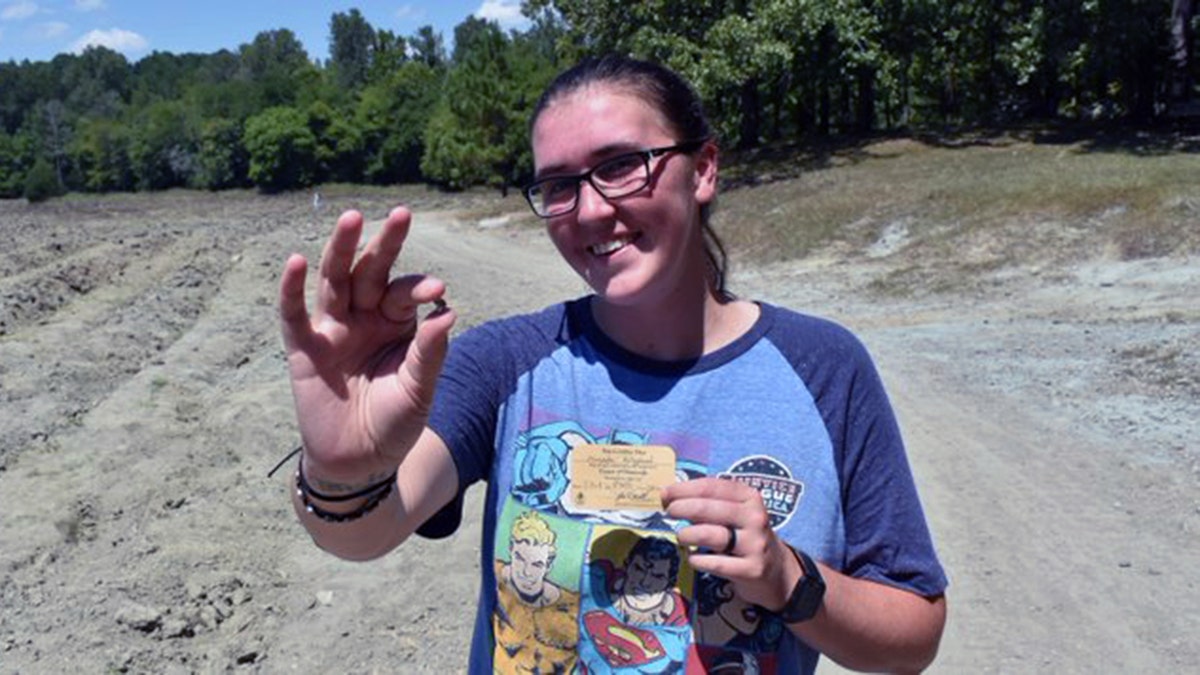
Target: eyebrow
{"points": [[606, 152]]}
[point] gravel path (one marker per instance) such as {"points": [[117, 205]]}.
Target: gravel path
{"points": [[1052, 421]]}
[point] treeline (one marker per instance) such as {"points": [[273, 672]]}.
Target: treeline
{"points": [[385, 108]]}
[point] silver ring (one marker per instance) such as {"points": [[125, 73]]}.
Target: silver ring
{"points": [[732, 541]]}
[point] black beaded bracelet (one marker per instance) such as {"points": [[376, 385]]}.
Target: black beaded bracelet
{"points": [[310, 492], [368, 506]]}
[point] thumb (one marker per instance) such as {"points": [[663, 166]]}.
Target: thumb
{"points": [[428, 352]]}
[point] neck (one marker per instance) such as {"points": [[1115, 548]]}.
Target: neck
{"points": [[684, 326]]}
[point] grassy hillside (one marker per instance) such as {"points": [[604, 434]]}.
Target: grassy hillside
{"points": [[978, 203]]}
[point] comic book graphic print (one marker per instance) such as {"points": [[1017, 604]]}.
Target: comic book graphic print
{"points": [[542, 472], [603, 591], [537, 560], [635, 612]]}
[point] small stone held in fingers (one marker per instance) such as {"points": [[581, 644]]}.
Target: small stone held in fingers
{"points": [[439, 307]]}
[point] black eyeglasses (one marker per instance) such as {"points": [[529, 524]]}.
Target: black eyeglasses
{"points": [[615, 177]]}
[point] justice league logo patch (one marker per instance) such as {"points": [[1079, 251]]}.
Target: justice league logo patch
{"points": [[780, 492]]}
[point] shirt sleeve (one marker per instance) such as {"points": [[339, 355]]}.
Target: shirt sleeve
{"points": [[887, 538], [480, 372]]}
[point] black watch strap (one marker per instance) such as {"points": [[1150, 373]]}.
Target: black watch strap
{"points": [[809, 593]]}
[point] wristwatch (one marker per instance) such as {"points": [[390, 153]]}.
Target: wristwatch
{"points": [[806, 597]]}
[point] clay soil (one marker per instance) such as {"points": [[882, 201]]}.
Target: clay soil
{"points": [[1052, 415]]}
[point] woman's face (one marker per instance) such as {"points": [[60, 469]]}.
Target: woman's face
{"points": [[644, 248]]}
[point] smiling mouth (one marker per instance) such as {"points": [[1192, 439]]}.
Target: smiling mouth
{"points": [[612, 246]]}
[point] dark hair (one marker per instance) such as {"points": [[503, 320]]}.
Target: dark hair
{"points": [[656, 548], [712, 591], [668, 93]]}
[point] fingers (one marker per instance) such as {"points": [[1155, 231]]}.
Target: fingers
{"points": [[428, 351], [293, 313], [403, 295], [370, 273], [710, 500], [334, 291], [709, 538], [358, 283], [728, 518]]}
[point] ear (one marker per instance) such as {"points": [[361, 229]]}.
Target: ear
{"points": [[706, 173]]}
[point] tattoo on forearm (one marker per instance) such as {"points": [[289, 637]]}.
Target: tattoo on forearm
{"points": [[335, 487]]}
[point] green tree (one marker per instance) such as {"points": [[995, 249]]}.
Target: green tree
{"points": [[161, 149], [16, 156], [97, 82], [479, 128], [340, 145], [272, 61], [281, 148], [351, 48], [765, 68], [389, 54], [392, 114], [101, 153], [464, 139], [166, 76], [235, 100], [221, 161], [428, 47], [41, 183], [54, 132], [12, 107]]}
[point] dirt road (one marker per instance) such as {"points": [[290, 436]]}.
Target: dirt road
{"points": [[1052, 421]]}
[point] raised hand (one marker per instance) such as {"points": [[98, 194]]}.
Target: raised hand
{"points": [[363, 368]]}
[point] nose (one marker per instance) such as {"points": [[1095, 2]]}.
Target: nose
{"points": [[592, 205]]}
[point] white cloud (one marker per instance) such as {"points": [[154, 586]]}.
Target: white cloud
{"points": [[51, 29], [89, 5], [22, 9], [507, 13], [116, 39], [410, 12]]}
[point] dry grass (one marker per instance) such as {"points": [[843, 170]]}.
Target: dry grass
{"points": [[976, 204]]}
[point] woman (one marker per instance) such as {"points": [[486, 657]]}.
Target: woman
{"points": [[783, 444]]}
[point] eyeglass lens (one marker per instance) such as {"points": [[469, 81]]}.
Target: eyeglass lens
{"points": [[616, 177]]}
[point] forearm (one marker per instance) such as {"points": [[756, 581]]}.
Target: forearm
{"points": [[870, 626], [425, 481], [365, 537]]}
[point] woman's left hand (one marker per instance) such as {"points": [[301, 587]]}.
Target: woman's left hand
{"points": [[760, 566]]}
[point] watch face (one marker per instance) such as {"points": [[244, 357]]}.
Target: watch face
{"points": [[806, 597]]}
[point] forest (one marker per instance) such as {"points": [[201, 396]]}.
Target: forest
{"points": [[384, 108]]}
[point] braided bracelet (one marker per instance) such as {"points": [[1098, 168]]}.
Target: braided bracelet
{"points": [[334, 517], [375, 493], [309, 491]]}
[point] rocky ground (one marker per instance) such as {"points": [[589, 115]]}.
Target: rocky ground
{"points": [[1052, 413]]}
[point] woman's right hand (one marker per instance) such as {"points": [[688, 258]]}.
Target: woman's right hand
{"points": [[363, 369]]}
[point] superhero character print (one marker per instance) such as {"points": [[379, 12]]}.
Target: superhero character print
{"points": [[732, 635], [634, 608], [537, 599]]}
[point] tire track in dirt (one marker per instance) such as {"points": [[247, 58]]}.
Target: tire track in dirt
{"points": [[1052, 547], [122, 317]]}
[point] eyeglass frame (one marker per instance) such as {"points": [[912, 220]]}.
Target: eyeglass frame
{"points": [[646, 155]]}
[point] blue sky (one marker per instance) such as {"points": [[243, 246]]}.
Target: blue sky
{"points": [[38, 29]]}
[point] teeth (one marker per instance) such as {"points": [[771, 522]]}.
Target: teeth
{"points": [[608, 246]]}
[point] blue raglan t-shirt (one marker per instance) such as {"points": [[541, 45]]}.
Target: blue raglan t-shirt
{"points": [[794, 408]]}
